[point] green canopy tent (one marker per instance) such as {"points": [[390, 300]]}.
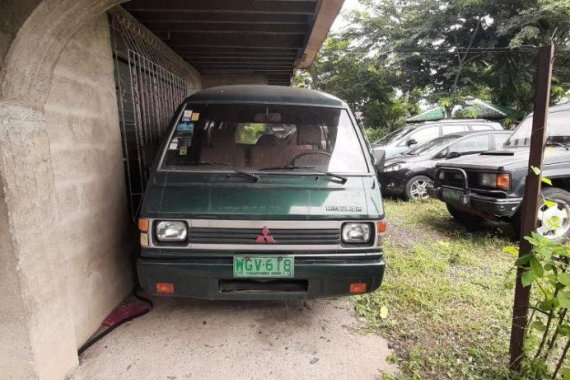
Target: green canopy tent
{"points": [[487, 110], [470, 108], [433, 114]]}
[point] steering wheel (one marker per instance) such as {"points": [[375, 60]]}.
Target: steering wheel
{"points": [[291, 163]]}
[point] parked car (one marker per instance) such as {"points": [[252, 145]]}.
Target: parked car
{"points": [[413, 135], [491, 185], [262, 192], [408, 174]]}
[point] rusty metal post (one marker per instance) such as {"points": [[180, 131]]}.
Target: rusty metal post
{"points": [[531, 198]]}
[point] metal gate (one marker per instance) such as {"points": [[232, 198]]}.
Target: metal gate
{"points": [[150, 85]]}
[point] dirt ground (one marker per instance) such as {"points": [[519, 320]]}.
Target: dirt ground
{"points": [[183, 339]]}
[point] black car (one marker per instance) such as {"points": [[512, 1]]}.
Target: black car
{"points": [[491, 185], [409, 173]]}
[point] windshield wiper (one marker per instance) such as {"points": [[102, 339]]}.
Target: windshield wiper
{"points": [[246, 174], [333, 175]]}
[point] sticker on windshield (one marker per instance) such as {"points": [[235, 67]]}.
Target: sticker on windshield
{"points": [[195, 116], [185, 127], [183, 151], [173, 144], [187, 115]]}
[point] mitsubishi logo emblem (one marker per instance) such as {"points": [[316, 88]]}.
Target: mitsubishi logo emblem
{"points": [[265, 236]]}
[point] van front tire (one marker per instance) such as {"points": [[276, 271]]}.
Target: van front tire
{"points": [[562, 198]]}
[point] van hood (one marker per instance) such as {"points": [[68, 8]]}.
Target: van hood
{"points": [[219, 196]]}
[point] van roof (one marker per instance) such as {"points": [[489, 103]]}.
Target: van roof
{"points": [[265, 94]]}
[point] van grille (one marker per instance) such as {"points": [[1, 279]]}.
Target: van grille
{"points": [[455, 179], [204, 235]]}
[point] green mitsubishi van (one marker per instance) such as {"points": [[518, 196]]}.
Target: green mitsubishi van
{"points": [[262, 192]]}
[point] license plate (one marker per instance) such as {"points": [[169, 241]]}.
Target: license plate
{"points": [[451, 195], [264, 266]]}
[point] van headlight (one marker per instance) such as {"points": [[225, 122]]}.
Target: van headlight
{"points": [[356, 233], [168, 230], [493, 180]]}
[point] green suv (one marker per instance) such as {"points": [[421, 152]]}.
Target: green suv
{"points": [[262, 192]]}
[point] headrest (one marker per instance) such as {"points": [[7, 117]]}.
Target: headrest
{"points": [[309, 135]]}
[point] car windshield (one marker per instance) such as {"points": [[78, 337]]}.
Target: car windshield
{"points": [[394, 136], [432, 146], [226, 137], [558, 130]]}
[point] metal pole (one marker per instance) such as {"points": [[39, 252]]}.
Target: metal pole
{"points": [[531, 198]]}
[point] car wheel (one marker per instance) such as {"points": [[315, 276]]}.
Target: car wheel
{"points": [[467, 220], [554, 222], [416, 188]]}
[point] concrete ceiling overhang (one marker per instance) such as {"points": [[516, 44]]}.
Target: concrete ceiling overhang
{"points": [[273, 37]]}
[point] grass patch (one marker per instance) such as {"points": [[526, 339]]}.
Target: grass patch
{"points": [[449, 311]]}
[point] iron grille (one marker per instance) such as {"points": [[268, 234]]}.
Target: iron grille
{"points": [[205, 235], [151, 81]]}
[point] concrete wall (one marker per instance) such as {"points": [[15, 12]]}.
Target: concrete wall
{"points": [[85, 144], [64, 240]]}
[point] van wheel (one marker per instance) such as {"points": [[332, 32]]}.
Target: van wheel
{"points": [[467, 220], [554, 222], [416, 188]]}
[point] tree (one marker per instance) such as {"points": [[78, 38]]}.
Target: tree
{"points": [[467, 47], [361, 81], [399, 52]]}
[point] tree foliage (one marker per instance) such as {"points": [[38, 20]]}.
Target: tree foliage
{"points": [[398, 52]]}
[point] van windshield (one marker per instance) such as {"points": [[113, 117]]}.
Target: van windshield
{"points": [[557, 130], [264, 138]]}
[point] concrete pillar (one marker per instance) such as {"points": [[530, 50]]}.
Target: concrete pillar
{"points": [[37, 333], [36, 326]]}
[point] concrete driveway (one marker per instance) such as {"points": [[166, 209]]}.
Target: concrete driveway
{"points": [[183, 339]]}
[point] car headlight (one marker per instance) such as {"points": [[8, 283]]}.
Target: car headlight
{"points": [[167, 231], [488, 180], [356, 233], [392, 167], [496, 181]]}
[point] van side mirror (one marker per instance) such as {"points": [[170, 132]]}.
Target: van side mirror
{"points": [[453, 155], [411, 142]]}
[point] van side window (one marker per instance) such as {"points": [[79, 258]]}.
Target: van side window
{"points": [[249, 133]]}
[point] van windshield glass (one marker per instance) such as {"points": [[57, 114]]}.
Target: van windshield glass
{"points": [[261, 138], [557, 131]]}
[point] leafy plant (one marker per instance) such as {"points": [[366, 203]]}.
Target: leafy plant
{"points": [[546, 268]]}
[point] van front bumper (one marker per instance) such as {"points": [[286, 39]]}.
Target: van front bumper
{"points": [[212, 278], [487, 207]]}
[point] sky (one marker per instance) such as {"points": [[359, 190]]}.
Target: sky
{"points": [[340, 21]]}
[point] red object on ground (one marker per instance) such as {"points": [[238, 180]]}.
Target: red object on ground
{"points": [[124, 312]]}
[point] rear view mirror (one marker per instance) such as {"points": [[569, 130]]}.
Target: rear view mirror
{"points": [[273, 117], [411, 142], [453, 155]]}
